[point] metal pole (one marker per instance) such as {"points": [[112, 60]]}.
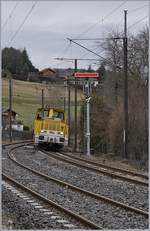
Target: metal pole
{"points": [[125, 87], [68, 84], [42, 98], [43, 101], [10, 107], [84, 120], [88, 118], [75, 115], [64, 104]]}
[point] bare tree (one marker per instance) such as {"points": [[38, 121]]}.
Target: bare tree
{"points": [[137, 52], [138, 94]]}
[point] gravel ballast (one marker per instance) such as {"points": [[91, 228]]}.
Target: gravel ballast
{"points": [[104, 214], [122, 191], [18, 213]]}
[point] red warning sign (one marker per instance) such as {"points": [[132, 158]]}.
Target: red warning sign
{"points": [[86, 75]]}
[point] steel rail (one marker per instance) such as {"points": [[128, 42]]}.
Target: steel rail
{"points": [[97, 196], [83, 220], [107, 166], [70, 160], [89, 162], [17, 142]]}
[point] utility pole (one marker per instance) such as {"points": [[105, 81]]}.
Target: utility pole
{"points": [[10, 107], [42, 98], [75, 111], [125, 44], [68, 85], [64, 104], [84, 123], [43, 101]]}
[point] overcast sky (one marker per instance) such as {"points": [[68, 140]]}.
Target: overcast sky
{"points": [[46, 28]]}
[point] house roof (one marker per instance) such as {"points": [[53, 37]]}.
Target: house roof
{"points": [[47, 71], [64, 72], [5, 111]]}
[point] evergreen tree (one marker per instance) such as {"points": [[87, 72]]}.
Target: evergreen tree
{"points": [[17, 62], [25, 70]]}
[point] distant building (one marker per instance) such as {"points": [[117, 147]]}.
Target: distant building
{"points": [[62, 73], [16, 123], [7, 113], [17, 126], [47, 75]]}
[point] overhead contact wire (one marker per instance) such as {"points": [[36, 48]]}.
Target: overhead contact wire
{"points": [[114, 10], [21, 25], [138, 21], [10, 15]]}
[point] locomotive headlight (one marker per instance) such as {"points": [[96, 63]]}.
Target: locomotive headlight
{"points": [[61, 133], [42, 131]]}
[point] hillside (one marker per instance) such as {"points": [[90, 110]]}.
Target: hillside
{"points": [[27, 98]]}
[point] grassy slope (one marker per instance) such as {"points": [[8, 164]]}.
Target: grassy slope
{"points": [[27, 98]]}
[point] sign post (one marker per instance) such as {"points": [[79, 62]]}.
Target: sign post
{"points": [[88, 134], [88, 78]]}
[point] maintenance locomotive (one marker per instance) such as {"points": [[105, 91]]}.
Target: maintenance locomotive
{"points": [[50, 128]]}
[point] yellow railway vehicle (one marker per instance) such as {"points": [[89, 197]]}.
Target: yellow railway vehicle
{"points": [[50, 128]]}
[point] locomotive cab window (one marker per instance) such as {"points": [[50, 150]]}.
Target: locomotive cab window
{"points": [[58, 115], [41, 113], [45, 113], [61, 115]]}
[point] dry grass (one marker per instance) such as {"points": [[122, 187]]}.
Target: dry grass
{"points": [[27, 97]]}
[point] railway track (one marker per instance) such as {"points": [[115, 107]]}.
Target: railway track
{"points": [[108, 167], [72, 187], [80, 189], [119, 173], [113, 188], [48, 202], [100, 168], [4, 145]]}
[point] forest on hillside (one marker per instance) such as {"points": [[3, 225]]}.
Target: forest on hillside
{"points": [[16, 62]]}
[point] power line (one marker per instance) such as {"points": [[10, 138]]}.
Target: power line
{"points": [[65, 50], [136, 9], [10, 15], [84, 47], [104, 18], [138, 21], [88, 39], [12, 38], [108, 61], [92, 39], [88, 29], [96, 48], [77, 59], [111, 12]]}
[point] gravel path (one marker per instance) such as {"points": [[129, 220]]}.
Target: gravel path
{"points": [[124, 192], [105, 215]]}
